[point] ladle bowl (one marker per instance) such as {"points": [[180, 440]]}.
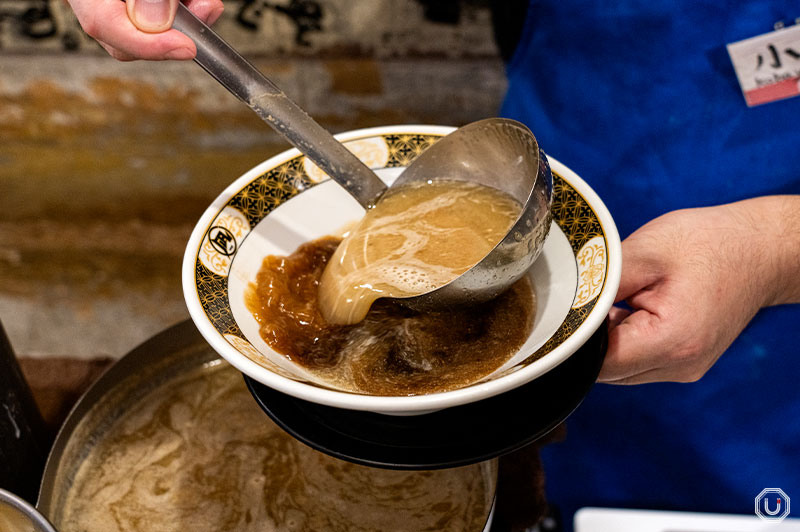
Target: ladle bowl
{"points": [[501, 154], [496, 152]]}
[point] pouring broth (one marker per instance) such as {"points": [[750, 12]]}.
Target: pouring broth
{"points": [[394, 351], [418, 237]]}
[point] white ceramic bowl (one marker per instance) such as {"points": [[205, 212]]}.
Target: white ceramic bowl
{"points": [[286, 201]]}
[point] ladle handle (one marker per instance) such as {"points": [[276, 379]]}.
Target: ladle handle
{"points": [[244, 80]]}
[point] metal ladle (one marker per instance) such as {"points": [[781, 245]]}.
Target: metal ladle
{"points": [[496, 152]]}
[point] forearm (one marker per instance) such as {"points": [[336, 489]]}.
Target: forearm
{"points": [[772, 238]]}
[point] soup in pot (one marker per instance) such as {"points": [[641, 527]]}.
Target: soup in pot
{"points": [[197, 454]]}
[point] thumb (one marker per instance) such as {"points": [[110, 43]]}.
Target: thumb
{"points": [[152, 16], [634, 335], [639, 269], [633, 347]]}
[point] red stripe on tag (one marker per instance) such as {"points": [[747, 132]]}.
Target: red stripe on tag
{"points": [[777, 91]]}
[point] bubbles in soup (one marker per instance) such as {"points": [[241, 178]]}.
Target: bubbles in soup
{"points": [[394, 350], [417, 238]]}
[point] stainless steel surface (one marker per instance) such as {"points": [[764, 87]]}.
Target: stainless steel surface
{"points": [[505, 155], [127, 381], [241, 78], [23, 511]]}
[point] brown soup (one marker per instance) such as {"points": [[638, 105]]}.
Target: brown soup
{"points": [[394, 350]]}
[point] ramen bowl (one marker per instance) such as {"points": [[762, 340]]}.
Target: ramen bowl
{"points": [[287, 201]]}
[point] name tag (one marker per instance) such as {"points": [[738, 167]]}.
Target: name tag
{"points": [[768, 66]]}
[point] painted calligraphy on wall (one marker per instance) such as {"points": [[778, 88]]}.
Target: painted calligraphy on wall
{"points": [[279, 27]]}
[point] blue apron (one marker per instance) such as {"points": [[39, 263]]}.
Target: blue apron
{"points": [[641, 100]]}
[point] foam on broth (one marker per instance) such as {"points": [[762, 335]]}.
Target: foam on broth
{"points": [[197, 454], [417, 238], [394, 350]]}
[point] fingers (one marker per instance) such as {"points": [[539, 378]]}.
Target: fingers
{"points": [[107, 22], [156, 16], [616, 315], [685, 276], [152, 16], [116, 54], [632, 347], [208, 11], [640, 341], [653, 375], [639, 268], [632, 335], [659, 342], [140, 29]]}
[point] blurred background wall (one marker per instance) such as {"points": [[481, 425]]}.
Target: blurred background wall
{"points": [[106, 166]]}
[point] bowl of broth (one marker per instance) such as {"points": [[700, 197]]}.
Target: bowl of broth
{"points": [[254, 278]]}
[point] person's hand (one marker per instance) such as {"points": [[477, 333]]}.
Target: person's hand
{"points": [[694, 279], [140, 29]]}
